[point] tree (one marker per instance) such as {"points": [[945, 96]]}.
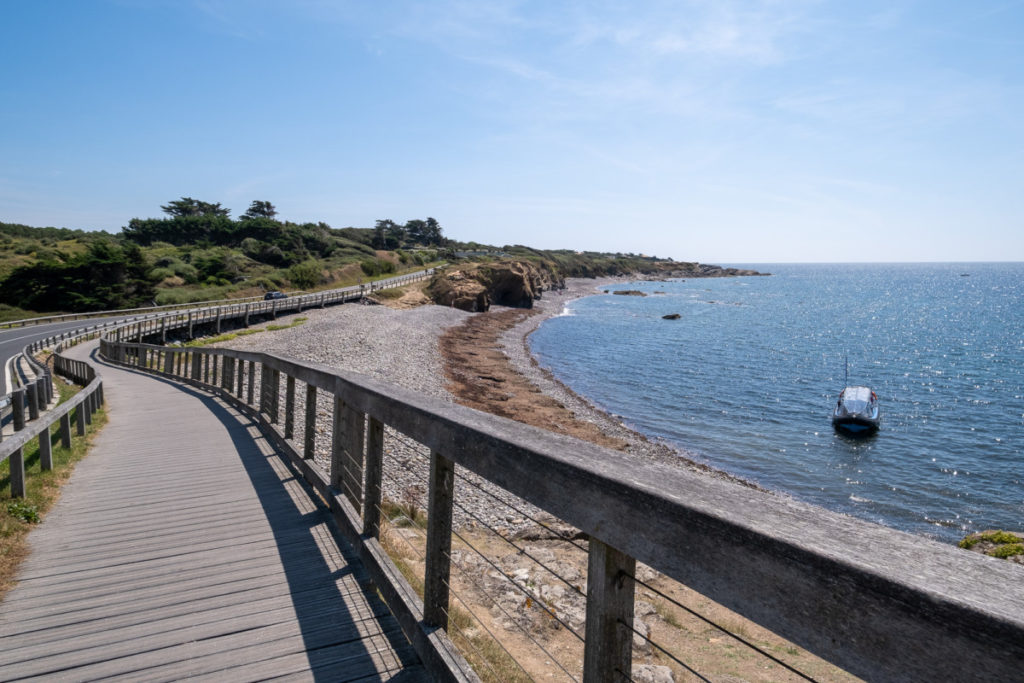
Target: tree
{"points": [[382, 229], [432, 232], [260, 209], [415, 231], [186, 206]]}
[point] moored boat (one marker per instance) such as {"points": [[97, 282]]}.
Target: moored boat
{"points": [[856, 412]]}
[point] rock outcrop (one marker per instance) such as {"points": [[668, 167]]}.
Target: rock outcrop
{"points": [[475, 287], [707, 270]]}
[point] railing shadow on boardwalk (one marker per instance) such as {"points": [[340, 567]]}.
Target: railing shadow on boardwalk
{"points": [[314, 557]]}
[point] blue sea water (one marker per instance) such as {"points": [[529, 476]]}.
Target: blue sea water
{"points": [[747, 377]]}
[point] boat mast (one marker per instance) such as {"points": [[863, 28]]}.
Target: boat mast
{"points": [[846, 372]]}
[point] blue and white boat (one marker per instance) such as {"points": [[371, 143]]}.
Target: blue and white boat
{"points": [[856, 412]]}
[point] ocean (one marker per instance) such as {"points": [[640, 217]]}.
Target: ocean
{"points": [[746, 378]]}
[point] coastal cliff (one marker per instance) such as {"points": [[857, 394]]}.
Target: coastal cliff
{"points": [[475, 287]]}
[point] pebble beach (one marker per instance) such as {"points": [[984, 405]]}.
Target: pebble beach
{"points": [[400, 346]]}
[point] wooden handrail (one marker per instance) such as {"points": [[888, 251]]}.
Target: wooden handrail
{"points": [[877, 602]]}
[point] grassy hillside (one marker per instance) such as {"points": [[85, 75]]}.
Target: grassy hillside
{"points": [[51, 270], [196, 252]]}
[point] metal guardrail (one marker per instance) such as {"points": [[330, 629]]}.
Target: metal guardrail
{"points": [[877, 602]]}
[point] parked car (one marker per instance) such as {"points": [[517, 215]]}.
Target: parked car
{"points": [[274, 295]]}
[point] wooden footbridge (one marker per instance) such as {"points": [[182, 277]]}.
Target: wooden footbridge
{"points": [[185, 547]]}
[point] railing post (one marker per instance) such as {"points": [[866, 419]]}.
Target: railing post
{"points": [[18, 409], [227, 379], [32, 399], [347, 438], [65, 430], [17, 461], [355, 438], [309, 437], [240, 373], [437, 572], [252, 383], [608, 649], [45, 450], [275, 394], [80, 419], [218, 320], [195, 366], [289, 407], [374, 476], [168, 363], [190, 324], [246, 318]]}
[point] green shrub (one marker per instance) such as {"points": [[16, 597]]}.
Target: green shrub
{"points": [[1007, 550], [306, 275]]}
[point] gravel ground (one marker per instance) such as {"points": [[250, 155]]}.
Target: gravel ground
{"points": [[400, 346]]}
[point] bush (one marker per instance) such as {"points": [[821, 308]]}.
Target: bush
{"points": [[306, 275], [371, 267]]}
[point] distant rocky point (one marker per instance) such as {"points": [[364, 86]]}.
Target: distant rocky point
{"points": [[518, 283]]}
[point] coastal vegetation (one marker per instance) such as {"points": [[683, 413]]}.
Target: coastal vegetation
{"points": [[197, 252], [995, 543]]}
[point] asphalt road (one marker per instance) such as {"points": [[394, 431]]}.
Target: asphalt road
{"points": [[14, 340]]}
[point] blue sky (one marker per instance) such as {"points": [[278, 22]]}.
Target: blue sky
{"points": [[716, 131]]}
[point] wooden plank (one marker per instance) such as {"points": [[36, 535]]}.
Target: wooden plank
{"points": [[184, 546]]}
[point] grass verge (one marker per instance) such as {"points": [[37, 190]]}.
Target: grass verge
{"points": [[18, 515], [228, 336], [488, 659]]}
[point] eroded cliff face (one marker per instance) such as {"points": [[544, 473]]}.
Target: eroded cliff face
{"points": [[475, 287]]}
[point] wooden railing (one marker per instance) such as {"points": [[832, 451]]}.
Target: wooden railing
{"points": [[160, 310], [84, 405], [877, 602], [35, 395]]}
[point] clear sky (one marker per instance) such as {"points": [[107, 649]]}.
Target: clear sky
{"points": [[717, 131]]}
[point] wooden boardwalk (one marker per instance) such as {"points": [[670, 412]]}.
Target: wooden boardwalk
{"points": [[183, 547]]}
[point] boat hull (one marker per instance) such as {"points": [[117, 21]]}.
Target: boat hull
{"points": [[855, 426]]}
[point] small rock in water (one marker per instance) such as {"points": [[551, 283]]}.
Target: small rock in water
{"points": [[671, 316]]}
